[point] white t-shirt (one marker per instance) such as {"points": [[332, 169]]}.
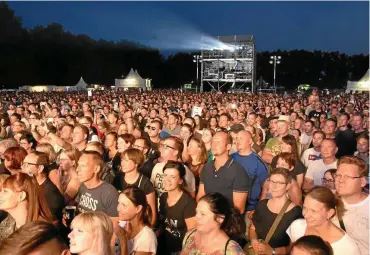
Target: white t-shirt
{"points": [[344, 246], [317, 169], [356, 222], [157, 178], [309, 156], [144, 241], [305, 139]]}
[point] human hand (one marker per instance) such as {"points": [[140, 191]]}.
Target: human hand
{"points": [[262, 248], [250, 214], [123, 232]]}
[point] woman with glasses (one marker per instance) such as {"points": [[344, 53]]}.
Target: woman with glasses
{"points": [[176, 208], [131, 160], [135, 234], [289, 145], [320, 205], [68, 177], [328, 180], [21, 197], [267, 211], [13, 159]]}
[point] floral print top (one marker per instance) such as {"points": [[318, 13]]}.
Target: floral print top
{"points": [[189, 247]]}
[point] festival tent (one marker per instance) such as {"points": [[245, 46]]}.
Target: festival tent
{"points": [[362, 85], [132, 80], [81, 85]]}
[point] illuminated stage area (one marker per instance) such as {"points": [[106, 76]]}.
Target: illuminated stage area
{"points": [[229, 61]]}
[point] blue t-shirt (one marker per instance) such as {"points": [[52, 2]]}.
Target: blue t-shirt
{"points": [[258, 173]]}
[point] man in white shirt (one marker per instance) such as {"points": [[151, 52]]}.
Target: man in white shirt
{"points": [[349, 182], [307, 135], [171, 149], [317, 169], [312, 154]]}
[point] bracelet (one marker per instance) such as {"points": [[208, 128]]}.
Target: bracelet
{"points": [[273, 251]]}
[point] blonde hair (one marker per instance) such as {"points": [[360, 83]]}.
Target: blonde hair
{"points": [[100, 226], [48, 150]]}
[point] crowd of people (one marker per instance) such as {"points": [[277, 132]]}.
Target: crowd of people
{"points": [[172, 172]]}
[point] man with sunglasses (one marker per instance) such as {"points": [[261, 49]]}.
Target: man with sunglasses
{"points": [[171, 149], [153, 129], [35, 164]]}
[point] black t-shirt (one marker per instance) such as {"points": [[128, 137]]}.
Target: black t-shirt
{"points": [[315, 113], [299, 168], [113, 163], [361, 133], [346, 143], [147, 168], [54, 199], [263, 219], [141, 182], [174, 219], [103, 198]]}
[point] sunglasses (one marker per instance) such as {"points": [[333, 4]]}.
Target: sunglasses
{"points": [[152, 128]]}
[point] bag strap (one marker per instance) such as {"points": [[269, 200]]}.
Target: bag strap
{"points": [[141, 178], [341, 223], [227, 243], [277, 221]]}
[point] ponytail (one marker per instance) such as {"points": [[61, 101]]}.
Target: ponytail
{"points": [[233, 224], [339, 207], [147, 215]]}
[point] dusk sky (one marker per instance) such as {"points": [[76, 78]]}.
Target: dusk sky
{"points": [[175, 26]]}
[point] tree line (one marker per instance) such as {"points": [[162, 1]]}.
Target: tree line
{"points": [[50, 55]]}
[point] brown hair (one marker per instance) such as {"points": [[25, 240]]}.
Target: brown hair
{"points": [[327, 197], [96, 157], [289, 158], [290, 139], [16, 156], [135, 155], [282, 171], [138, 197], [352, 160], [72, 154], [84, 129], [30, 237], [203, 155], [128, 138], [97, 146], [48, 150], [177, 144], [37, 205]]}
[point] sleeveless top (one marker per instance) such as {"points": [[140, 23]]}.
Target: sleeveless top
{"points": [[189, 247]]}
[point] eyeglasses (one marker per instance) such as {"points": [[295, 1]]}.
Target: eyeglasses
{"points": [[278, 184], [167, 146], [27, 164], [152, 128], [138, 147], [346, 177], [327, 181]]}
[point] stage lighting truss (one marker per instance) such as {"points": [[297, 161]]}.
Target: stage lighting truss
{"points": [[231, 61]]}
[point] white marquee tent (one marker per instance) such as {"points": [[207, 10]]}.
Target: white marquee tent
{"points": [[362, 85], [132, 80]]}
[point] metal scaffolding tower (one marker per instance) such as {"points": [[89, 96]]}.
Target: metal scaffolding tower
{"points": [[233, 63]]}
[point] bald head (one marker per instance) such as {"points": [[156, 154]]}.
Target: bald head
{"points": [[244, 142]]}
